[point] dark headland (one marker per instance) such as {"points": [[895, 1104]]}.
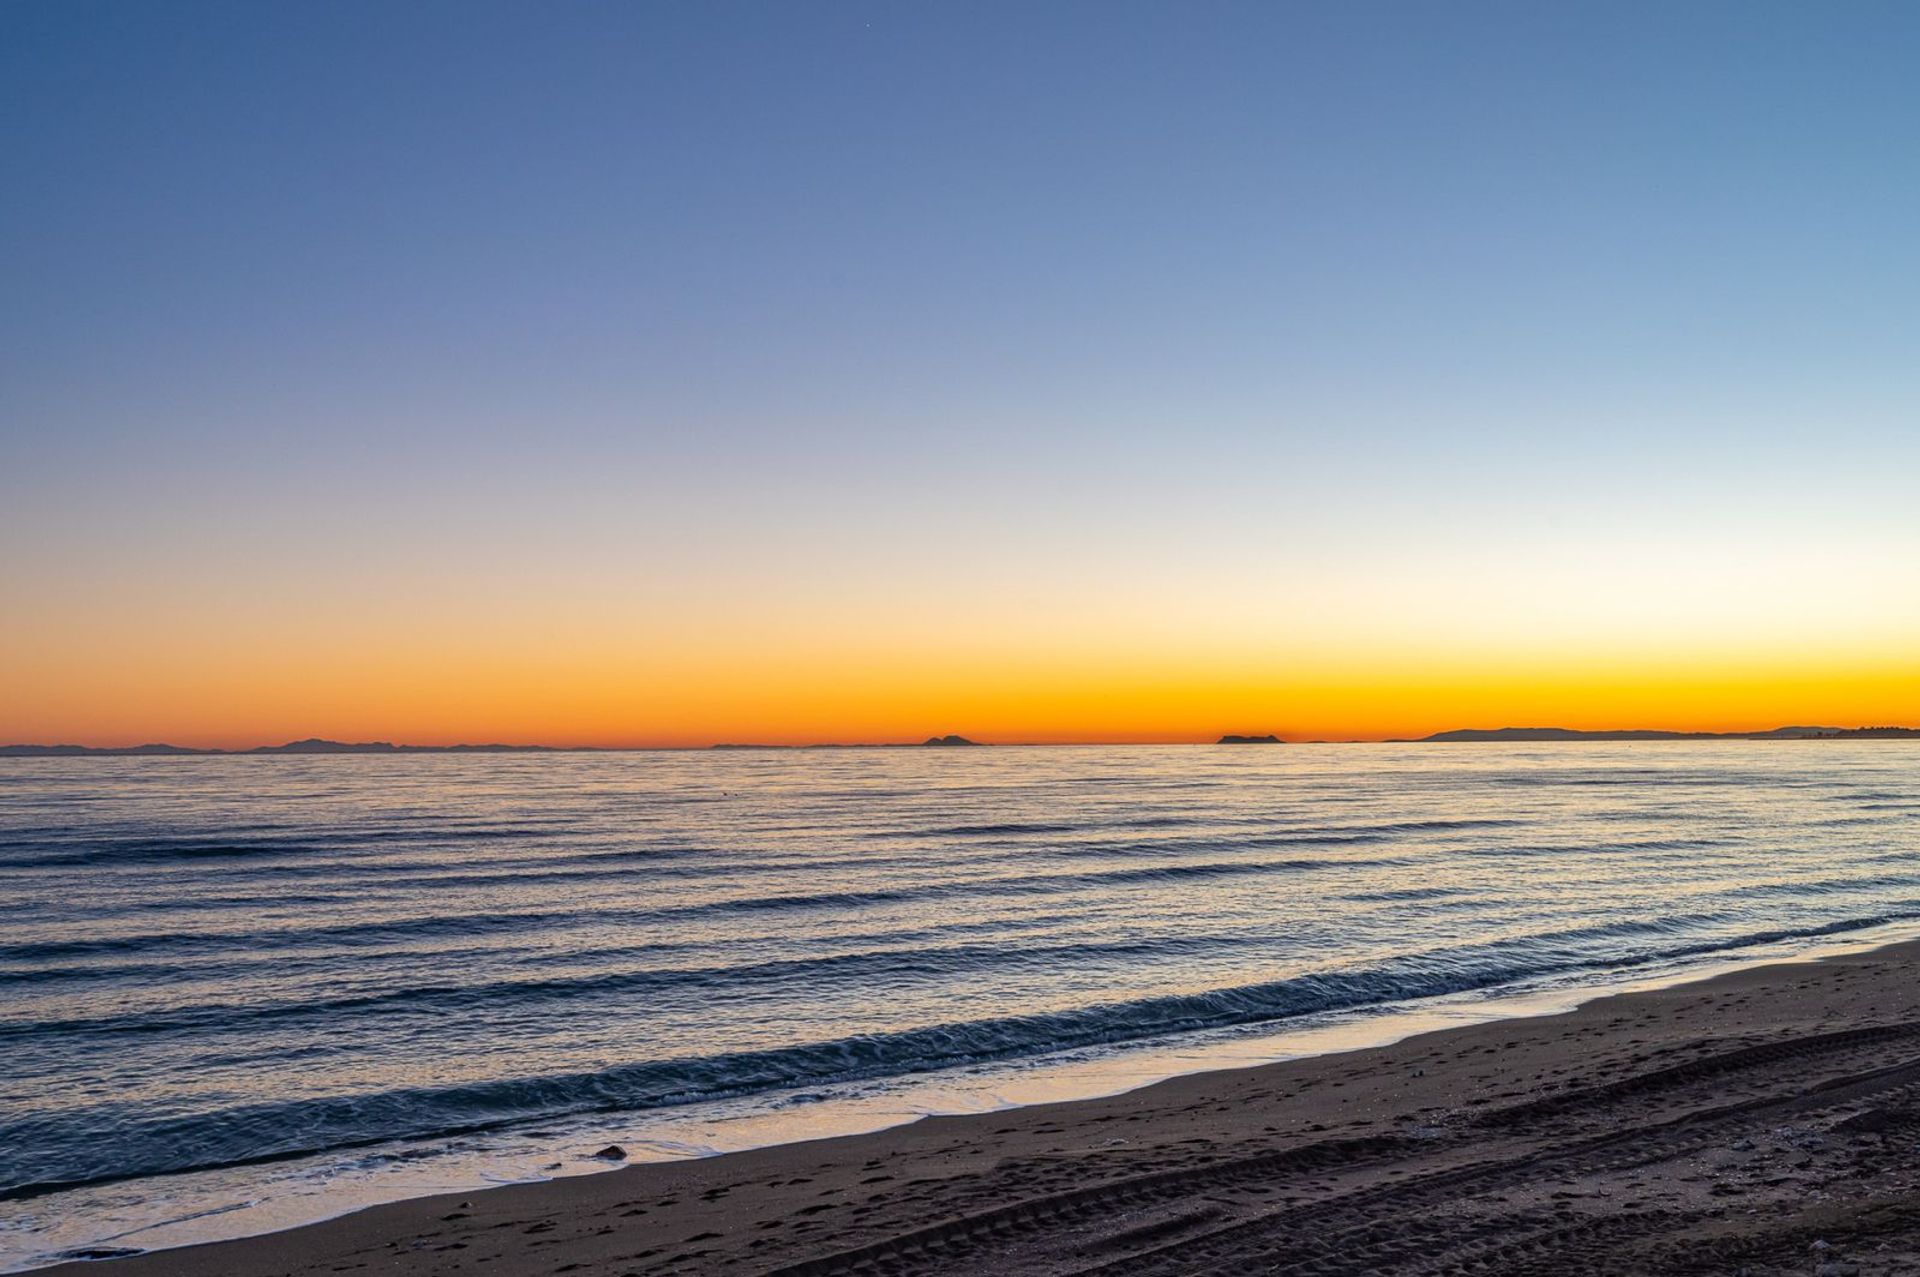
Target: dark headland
{"points": [[1522, 734], [1231, 739]]}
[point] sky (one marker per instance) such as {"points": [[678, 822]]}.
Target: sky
{"points": [[670, 373]]}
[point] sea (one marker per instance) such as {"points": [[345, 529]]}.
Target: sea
{"points": [[243, 993]]}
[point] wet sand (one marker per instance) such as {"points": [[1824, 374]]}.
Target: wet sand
{"points": [[1762, 1122]]}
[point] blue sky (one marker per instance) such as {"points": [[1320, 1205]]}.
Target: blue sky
{"points": [[854, 222], [1268, 294]]}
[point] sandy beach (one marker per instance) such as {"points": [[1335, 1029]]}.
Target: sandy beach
{"points": [[1763, 1121]]}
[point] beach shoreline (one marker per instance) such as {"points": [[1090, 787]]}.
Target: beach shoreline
{"points": [[219, 1204], [1730, 1116]]}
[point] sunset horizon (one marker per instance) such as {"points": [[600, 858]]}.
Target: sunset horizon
{"points": [[1047, 705], [774, 739], [249, 696]]}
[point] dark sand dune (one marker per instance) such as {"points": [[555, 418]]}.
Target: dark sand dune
{"points": [[1765, 1122]]}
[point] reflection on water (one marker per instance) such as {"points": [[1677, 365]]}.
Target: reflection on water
{"points": [[403, 973]]}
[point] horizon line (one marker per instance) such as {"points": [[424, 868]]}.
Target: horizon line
{"points": [[318, 746]]}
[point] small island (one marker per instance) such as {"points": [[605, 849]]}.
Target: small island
{"points": [[948, 740], [1231, 739]]}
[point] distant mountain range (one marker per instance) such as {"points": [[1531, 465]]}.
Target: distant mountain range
{"points": [[315, 745], [1574, 734], [1465, 735], [310, 746]]}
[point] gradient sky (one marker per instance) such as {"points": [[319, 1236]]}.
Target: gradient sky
{"points": [[669, 373]]}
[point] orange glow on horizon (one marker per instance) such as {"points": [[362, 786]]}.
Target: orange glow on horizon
{"points": [[269, 698], [426, 659]]}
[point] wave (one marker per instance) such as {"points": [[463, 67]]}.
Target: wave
{"points": [[494, 922], [146, 851], [68, 852], [1609, 847], [1400, 894], [738, 982], [1008, 829], [45, 1152]]}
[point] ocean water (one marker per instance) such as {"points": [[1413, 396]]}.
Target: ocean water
{"points": [[237, 993]]}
